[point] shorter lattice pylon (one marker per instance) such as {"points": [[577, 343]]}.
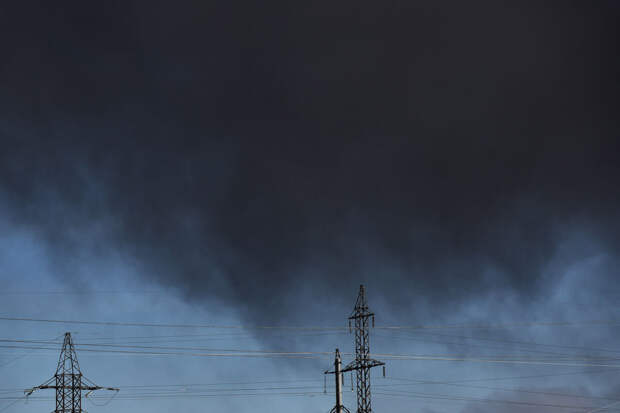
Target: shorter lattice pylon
{"points": [[68, 381]]}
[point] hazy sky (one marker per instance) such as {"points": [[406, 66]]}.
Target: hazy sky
{"points": [[229, 165]]}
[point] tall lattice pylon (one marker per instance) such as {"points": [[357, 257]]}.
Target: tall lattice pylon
{"points": [[68, 381], [363, 363]]}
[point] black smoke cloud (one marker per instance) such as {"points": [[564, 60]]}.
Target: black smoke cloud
{"points": [[267, 155], [553, 399]]}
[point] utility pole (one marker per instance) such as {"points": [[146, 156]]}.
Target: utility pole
{"points": [[337, 372], [362, 363], [68, 381]]}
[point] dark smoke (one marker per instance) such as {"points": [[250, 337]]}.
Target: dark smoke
{"points": [[267, 156]]}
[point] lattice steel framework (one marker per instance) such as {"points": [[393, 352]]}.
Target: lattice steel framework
{"points": [[68, 381], [363, 363]]}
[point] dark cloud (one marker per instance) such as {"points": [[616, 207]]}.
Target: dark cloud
{"points": [[263, 154], [536, 400]]}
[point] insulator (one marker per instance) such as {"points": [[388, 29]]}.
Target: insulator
{"points": [[383, 371], [373, 321]]}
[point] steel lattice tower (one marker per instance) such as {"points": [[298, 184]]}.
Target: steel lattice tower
{"points": [[68, 381], [363, 363]]}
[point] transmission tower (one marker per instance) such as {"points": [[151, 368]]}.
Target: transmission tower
{"points": [[68, 381], [362, 363], [337, 372]]}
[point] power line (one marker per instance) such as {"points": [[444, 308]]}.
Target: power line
{"points": [[560, 357], [499, 361], [164, 325], [522, 343], [173, 348], [504, 326], [155, 353], [469, 345], [309, 380], [326, 328], [76, 292], [444, 383], [478, 400], [183, 395], [13, 403], [209, 352]]}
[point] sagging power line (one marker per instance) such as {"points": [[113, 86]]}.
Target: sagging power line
{"points": [[546, 324]]}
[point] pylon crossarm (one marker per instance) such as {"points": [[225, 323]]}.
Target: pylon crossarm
{"points": [[28, 392], [45, 385], [94, 386], [89, 388], [100, 388], [364, 315], [92, 389], [368, 363]]}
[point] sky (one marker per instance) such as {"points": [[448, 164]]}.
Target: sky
{"points": [[196, 191]]}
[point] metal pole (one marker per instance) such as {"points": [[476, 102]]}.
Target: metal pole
{"points": [[337, 372], [338, 375]]}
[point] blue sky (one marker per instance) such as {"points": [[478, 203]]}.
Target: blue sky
{"points": [[110, 289]]}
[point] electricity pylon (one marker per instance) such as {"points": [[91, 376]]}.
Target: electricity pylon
{"points": [[362, 363], [337, 372], [68, 381]]}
